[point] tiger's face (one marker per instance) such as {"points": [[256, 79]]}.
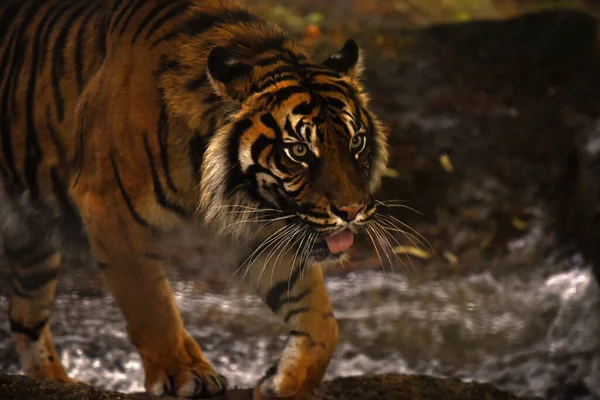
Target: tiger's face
{"points": [[304, 155]]}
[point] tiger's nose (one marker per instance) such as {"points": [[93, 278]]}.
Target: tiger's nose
{"points": [[348, 213]]}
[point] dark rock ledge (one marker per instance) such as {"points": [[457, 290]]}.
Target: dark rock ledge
{"points": [[380, 387]]}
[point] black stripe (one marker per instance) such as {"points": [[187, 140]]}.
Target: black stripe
{"points": [[32, 282], [202, 22], [165, 38], [316, 72], [79, 42], [291, 131], [101, 35], [121, 14], [153, 256], [9, 15], [17, 50], [168, 65], [281, 95], [33, 151], [267, 61], [197, 147], [59, 189], [196, 83], [80, 146], [158, 190], [103, 265], [115, 7], [33, 259], [306, 108], [58, 59], [163, 133], [269, 121], [136, 7], [278, 71], [260, 46], [32, 334], [211, 99], [308, 210], [19, 253], [15, 291], [21, 44], [298, 191], [335, 103], [294, 312], [134, 214], [172, 13], [281, 69], [276, 297], [60, 153], [261, 143], [272, 371], [267, 83], [211, 111], [149, 17], [296, 333], [335, 87], [56, 16]]}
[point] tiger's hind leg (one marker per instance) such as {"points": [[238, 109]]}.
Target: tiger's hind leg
{"points": [[34, 264]]}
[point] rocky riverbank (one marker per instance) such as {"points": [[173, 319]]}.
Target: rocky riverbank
{"points": [[380, 387]]}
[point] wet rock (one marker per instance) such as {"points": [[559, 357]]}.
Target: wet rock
{"points": [[380, 387]]}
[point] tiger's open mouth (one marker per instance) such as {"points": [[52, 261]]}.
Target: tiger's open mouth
{"points": [[333, 246], [340, 241]]}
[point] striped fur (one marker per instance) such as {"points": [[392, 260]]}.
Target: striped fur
{"points": [[125, 120]]}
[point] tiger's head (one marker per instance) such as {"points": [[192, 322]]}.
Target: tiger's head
{"points": [[302, 155]]}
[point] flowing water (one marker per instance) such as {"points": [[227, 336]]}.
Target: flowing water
{"points": [[530, 330]]}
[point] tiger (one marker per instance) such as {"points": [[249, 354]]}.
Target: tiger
{"points": [[123, 121]]}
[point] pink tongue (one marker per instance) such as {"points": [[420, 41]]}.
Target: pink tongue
{"points": [[340, 241]]}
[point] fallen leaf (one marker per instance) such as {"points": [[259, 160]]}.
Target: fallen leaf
{"points": [[450, 257], [519, 224], [446, 163], [412, 251]]}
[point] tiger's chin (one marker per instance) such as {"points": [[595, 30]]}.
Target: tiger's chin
{"points": [[321, 254]]}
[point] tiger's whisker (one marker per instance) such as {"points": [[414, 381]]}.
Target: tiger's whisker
{"points": [[387, 236], [379, 203], [390, 220], [266, 242], [385, 245], [368, 231]]}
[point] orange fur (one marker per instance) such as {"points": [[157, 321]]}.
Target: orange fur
{"points": [[120, 122]]}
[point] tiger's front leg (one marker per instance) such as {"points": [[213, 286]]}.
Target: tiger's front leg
{"points": [[300, 298], [173, 362]]}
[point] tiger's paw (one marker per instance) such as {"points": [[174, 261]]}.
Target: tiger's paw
{"points": [[196, 381], [290, 383]]}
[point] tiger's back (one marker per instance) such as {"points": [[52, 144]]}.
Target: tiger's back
{"points": [[49, 50]]}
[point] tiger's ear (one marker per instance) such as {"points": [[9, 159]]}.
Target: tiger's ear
{"points": [[347, 61], [230, 77]]}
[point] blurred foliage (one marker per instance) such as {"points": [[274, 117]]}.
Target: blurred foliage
{"points": [[323, 25], [436, 11]]}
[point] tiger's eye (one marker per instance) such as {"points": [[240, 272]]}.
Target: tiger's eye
{"points": [[299, 150], [357, 142]]}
